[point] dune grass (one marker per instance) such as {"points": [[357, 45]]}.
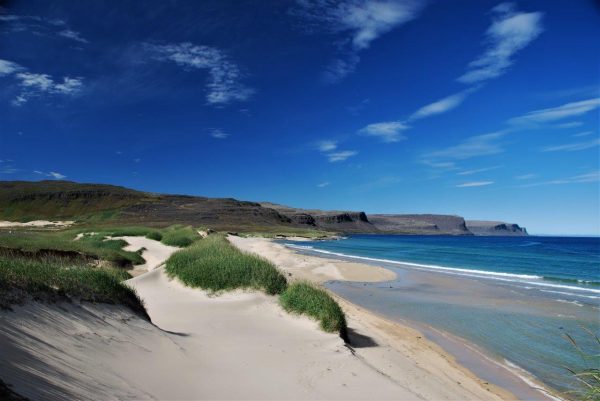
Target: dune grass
{"points": [[155, 235], [587, 378], [178, 235], [306, 298], [94, 242], [92, 245], [58, 279], [215, 265]]}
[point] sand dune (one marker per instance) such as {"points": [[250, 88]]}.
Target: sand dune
{"points": [[238, 345]]}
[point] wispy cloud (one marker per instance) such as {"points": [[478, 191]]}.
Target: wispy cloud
{"points": [[571, 124], [510, 32], [474, 184], [558, 113], [443, 105], [592, 176], [479, 170], [218, 133], [327, 146], [323, 184], [358, 22], [341, 155], [571, 147], [440, 165], [35, 85], [40, 26], [51, 174], [224, 83], [389, 131], [480, 145], [8, 67], [526, 176], [580, 134], [73, 35]]}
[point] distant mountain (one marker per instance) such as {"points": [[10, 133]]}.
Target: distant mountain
{"points": [[98, 203], [109, 204], [495, 228], [424, 224]]}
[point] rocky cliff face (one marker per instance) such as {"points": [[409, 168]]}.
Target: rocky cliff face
{"points": [[495, 228], [338, 221], [425, 224], [63, 199]]}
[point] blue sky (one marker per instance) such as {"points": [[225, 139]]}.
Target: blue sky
{"points": [[483, 109]]}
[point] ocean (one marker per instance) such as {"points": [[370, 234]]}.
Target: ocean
{"points": [[514, 298]]}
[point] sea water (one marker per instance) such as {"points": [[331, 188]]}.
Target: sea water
{"points": [[517, 298]]}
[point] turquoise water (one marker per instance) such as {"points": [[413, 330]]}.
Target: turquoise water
{"points": [[514, 297]]}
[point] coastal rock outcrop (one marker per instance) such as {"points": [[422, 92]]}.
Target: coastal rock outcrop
{"points": [[495, 228], [424, 224]]}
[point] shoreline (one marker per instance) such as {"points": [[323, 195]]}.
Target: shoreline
{"points": [[462, 355]]}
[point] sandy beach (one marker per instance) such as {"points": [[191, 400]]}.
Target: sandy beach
{"points": [[237, 345]]}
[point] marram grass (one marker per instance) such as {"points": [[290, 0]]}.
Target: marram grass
{"points": [[306, 298], [56, 279], [215, 265]]}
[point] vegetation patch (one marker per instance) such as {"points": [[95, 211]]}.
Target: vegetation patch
{"points": [[92, 245], [155, 235], [54, 279], [180, 236], [306, 298], [214, 264]]}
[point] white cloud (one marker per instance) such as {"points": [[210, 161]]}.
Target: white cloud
{"points": [[323, 185], [40, 26], [51, 174], [558, 113], [480, 145], [580, 134], [224, 83], [34, 85], [8, 67], [218, 133], [474, 184], [440, 165], [572, 124], [389, 131], [592, 176], [570, 147], [479, 170], [327, 146], [442, 105], [526, 176], [510, 32], [341, 155], [359, 21], [339, 68], [73, 35]]}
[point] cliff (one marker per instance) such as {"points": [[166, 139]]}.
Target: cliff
{"points": [[109, 204], [424, 224], [495, 228], [340, 221]]}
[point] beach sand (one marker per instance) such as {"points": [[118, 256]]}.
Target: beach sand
{"points": [[237, 345]]}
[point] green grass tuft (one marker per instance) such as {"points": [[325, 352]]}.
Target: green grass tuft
{"points": [[178, 235], [91, 245], [55, 279], [308, 299], [155, 235], [215, 265]]}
